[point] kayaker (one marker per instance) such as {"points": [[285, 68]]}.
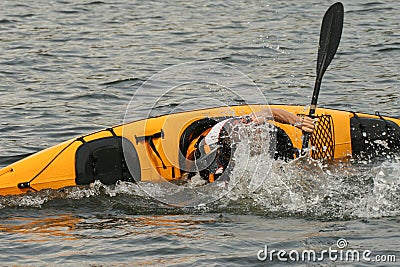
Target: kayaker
{"points": [[213, 150]]}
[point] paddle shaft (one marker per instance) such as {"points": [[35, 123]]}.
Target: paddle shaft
{"points": [[331, 32], [314, 99]]}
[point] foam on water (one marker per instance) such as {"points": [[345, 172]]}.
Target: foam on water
{"points": [[316, 189], [308, 188]]}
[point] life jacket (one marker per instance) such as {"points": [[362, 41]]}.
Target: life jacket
{"points": [[212, 150]]}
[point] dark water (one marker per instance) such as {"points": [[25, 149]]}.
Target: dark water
{"points": [[71, 67]]}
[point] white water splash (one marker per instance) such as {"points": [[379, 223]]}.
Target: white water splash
{"points": [[305, 188], [302, 187], [253, 157], [383, 199]]}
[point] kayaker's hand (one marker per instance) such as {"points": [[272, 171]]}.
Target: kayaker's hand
{"points": [[306, 124]]}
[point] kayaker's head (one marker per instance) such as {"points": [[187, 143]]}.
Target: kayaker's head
{"points": [[213, 152]]}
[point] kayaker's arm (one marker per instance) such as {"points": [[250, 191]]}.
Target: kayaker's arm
{"points": [[304, 123]]}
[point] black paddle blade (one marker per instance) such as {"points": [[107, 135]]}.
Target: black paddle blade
{"points": [[331, 32]]}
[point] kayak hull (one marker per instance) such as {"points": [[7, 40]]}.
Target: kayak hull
{"points": [[153, 149]]}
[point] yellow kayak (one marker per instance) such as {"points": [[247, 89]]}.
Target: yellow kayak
{"points": [[154, 149]]}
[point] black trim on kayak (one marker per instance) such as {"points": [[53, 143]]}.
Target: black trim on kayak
{"points": [[104, 159], [284, 149], [373, 137], [192, 132]]}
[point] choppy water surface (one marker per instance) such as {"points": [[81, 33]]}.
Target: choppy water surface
{"points": [[70, 67]]}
